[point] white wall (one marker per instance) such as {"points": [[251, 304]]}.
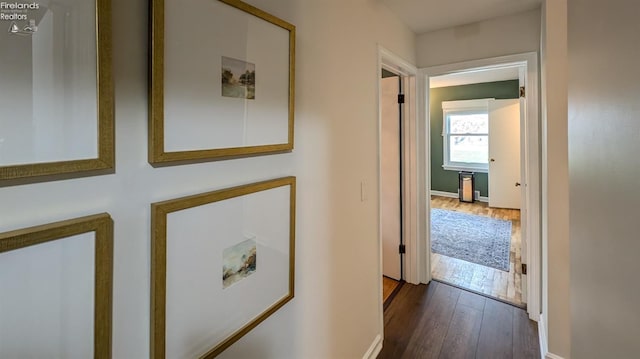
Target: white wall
{"points": [[506, 35], [555, 179], [335, 313], [604, 168]]}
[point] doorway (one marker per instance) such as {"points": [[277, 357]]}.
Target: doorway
{"points": [[397, 186], [475, 128], [529, 186], [391, 106], [391, 103]]}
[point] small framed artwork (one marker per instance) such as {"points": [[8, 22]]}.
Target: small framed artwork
{"points": [[56, 285], [221, 263], [57, 90], [222, 81]]}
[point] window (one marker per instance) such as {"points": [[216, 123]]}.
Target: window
{"points": [[466, 135]]}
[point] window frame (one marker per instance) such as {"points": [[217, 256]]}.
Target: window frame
{"points": [[479, 106]]}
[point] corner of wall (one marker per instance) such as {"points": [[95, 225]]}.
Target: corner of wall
{"points": [[544, 345], [555, 179]]}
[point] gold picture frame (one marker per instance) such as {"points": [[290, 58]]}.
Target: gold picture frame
{"points": [[102, 225], [13, 174], [160, 231], [167, 59]]}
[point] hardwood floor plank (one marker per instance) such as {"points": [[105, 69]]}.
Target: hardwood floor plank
{"points": [[496, 335], [461, 340], [440, 321], [472, 300], [388, 286], [526, 344], [426, 341], [478, 279], [466, 273], [403, 316]]}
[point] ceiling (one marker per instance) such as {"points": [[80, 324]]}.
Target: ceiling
{"points": [[474, 77], [428, 15]]}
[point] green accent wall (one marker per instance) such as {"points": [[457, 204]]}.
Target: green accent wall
{"points": [[441, 179]]}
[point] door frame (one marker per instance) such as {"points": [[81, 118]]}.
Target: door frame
{"points": [[412, 192], [530, 142]]}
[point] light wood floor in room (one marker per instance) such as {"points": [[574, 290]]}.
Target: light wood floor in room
{"points": [[388, 286], [496, 283]]}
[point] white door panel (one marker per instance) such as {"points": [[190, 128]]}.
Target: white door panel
{"points": [[390, 178], [504, 154]]}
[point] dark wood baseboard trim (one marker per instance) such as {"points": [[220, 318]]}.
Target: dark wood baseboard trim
{"points": [[393, 295], [521, 306]]}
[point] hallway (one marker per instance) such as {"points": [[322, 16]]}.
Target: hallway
{"points": [[441, 321]]}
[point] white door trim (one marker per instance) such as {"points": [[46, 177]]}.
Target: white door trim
{"points": [[414, 195], [530, 136]]}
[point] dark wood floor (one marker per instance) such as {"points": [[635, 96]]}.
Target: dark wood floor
{"points": [[441, 321]]}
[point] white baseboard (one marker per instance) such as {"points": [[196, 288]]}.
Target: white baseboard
{"points": [[374, 349], [479, 198], [544, 345], [542, 336], [444, 194]]}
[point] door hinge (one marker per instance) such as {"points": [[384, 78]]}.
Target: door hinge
{"points": [[400, 98], [522, 91], [524, 268], [402, 249]]}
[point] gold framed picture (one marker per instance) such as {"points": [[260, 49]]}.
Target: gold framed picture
{"points": [[222, 81], [56, 282], [57, 86], [234, 269]]}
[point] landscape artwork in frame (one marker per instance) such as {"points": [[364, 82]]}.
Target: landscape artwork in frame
{"points": [[222, 262], [238, 78], [237, 97], [239, 262]]}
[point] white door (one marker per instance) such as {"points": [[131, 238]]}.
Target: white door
{"points": [[504, 154], [390, 177]]}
